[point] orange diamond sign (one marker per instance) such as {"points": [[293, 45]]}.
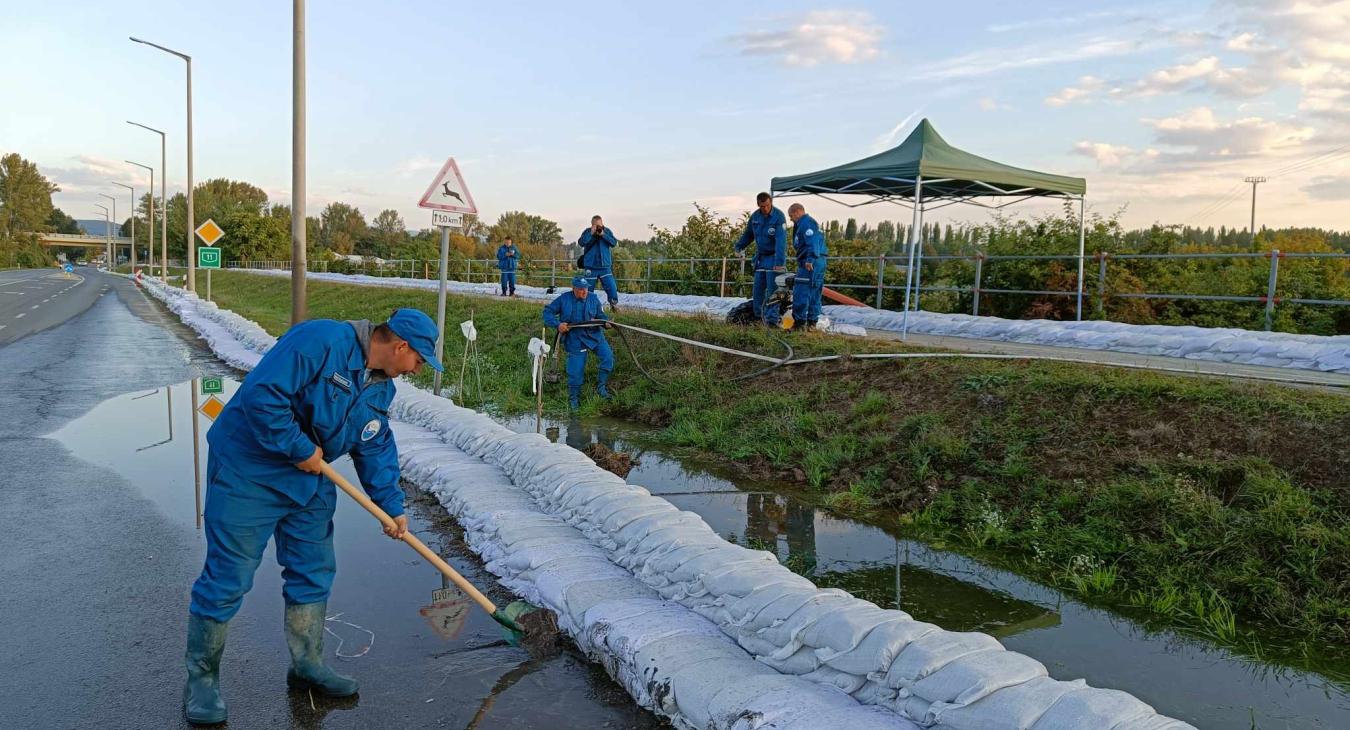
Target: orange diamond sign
{"points": [[210, 232], [212, 407]]}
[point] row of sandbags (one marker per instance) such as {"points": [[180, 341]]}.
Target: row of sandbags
{"points": [[600, 538], [670, 659], [1274, 349]]}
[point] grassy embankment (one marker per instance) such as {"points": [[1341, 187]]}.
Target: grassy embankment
{"points": [[1209, 505]]}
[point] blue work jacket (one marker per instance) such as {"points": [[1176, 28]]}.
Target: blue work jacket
{"points": [[507, 263], [809, 242], [596, 249], [309, 389], [770, 236], [567, 308]]}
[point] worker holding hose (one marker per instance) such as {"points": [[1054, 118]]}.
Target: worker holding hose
{"points": [[767, 229], [321, 392], [809, 242], [579, 318]]}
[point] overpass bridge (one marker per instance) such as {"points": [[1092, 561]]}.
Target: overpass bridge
{"points": [[85, 241]]}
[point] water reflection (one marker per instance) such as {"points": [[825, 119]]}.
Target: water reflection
{"points": [[1181, 676]]}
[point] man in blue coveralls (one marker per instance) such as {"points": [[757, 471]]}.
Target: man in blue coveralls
{"points": [[809, 242], [566, 312], [507, 260], [597, 258], [766, 228], [321, 392]]}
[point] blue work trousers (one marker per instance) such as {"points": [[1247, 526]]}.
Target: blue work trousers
{"points": [[240, 517], [604, 278], [508, 282], [765, 285], [576, 364], [806, 289]]}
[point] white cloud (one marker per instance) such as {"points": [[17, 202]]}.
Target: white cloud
{"points": [[889, 139], [1087, 87], [1000, 59], [1328, 187], [821, 36], [990, 104], [1106, 154], [1203, 135]]}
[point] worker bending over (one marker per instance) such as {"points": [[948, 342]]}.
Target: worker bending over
{"points": [[809, 242], [508, 258], [321, 392], [766, 229], [572, 308], [597, 258]]}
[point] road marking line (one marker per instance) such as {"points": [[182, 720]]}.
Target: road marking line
{"points": [[20, 315], [34, 307]]}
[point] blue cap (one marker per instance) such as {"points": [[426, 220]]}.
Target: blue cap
{"points": [[416, 328], [581, 282]]}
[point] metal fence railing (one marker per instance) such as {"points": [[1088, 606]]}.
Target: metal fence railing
{"points": [[879, 278]]}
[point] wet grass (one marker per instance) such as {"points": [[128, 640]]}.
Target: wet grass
{"points": [[1215, 506]]}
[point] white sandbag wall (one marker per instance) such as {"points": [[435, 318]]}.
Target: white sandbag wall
{"points": [[702, 631], [1275, 349]]}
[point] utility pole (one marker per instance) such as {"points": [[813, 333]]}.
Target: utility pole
{"points": [[298, 241], [1254, 180]]}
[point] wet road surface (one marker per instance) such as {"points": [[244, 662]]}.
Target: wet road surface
{"points": [[32, 300], [101, 547]]}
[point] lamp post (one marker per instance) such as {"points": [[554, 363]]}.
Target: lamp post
{"points": [[163, 208], [151, 262], [112, 249], [132, 259], [191, 221], [299, 265], [107, 231]]}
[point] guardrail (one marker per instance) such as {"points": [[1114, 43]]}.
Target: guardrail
{"points": [[730, 276]]}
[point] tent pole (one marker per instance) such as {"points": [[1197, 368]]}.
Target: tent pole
{"points": [[913, 241], [1082, 236]]}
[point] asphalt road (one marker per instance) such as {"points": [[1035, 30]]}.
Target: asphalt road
{"points": [[100, 547], [32, 300]]}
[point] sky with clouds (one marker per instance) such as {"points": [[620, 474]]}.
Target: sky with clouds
{"points": [[636, 110]]}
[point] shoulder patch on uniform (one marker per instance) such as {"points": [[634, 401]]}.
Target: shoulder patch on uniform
{"points": [[341, 382], [372, 428], [810, 232]]}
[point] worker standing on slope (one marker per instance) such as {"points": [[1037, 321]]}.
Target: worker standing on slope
{"points": [[508, 258], [809, 242], [571, 308], [321, 392], [597, 258], [766, 228]]}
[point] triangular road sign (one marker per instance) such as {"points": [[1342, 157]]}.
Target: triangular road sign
{"points": [[448, 191]]}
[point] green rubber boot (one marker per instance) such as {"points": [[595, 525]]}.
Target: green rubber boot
{"points": [[202, 702], [304, 637]]}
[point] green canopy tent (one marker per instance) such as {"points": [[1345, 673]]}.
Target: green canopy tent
{"points": [[926, 173]]}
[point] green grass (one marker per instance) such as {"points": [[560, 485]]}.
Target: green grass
{"points": [[1214, 505]]}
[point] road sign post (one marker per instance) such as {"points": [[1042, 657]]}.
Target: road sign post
{"points": [[446, 196], [208, 256]]}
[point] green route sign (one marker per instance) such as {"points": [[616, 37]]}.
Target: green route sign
{"points": [[208, 257], [212, 385]]}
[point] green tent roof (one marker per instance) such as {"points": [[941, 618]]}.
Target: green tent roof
{"points": [[953, 173]]}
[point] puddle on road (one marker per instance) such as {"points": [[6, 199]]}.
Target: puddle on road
{"points": [[1183, 677], [424, 660]]}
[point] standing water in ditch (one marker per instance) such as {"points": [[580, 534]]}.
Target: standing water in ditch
{"points": [[1181, 676]]}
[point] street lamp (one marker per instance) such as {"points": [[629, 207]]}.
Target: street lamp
{"points": [[163, 208], [133, 224], [107, 229], [112, 250], [151, 263], [191, 221]]}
